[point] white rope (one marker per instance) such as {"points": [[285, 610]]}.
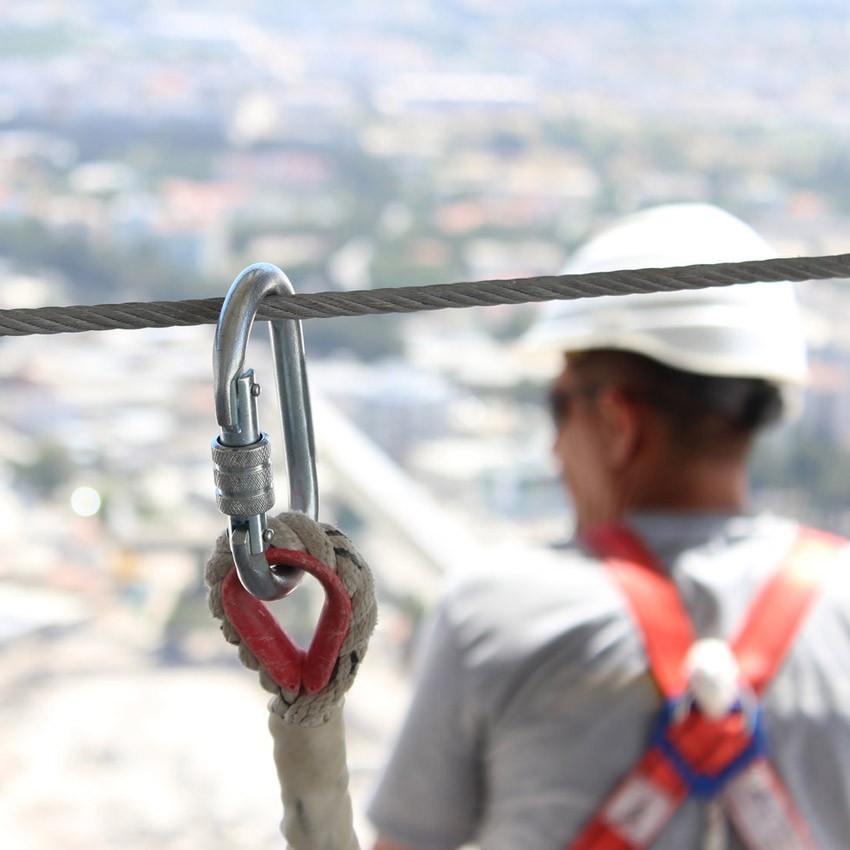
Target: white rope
{"points": [[410, 299], [716, 835], [330, 546]]}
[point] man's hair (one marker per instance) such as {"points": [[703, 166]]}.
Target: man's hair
{"points": [[703, 412]]}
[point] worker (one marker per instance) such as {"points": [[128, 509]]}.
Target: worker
{"points": [[666, 679]]}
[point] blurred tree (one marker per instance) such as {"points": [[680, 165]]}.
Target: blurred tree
{"points": [[50, 468], [363, 337], [812, 470]]}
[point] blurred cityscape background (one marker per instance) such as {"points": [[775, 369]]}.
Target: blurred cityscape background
{"points": [[153, 150]]}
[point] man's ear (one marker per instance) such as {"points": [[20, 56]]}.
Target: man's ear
{"points": [[621, 419]]}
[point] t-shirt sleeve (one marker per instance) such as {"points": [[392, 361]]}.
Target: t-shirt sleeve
{"points": [[429, 794]]}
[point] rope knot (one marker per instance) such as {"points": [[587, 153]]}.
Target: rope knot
{"points": [[295, 701]]}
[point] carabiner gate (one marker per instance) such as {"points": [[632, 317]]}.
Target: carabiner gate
{"points": [[241, 453]]}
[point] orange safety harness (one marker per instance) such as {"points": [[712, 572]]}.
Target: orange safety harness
{"points": [[695, 752]]}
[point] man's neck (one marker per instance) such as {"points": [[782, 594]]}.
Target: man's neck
{"points": [[705, 485]]}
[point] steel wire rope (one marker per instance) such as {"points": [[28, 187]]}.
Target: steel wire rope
{"points": [[411, 299]]}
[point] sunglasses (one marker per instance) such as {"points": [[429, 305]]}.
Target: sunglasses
{"points": [[563, 399]]}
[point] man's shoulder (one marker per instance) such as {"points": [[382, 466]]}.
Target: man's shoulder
{"points": [[525, 574], [525, 597]]}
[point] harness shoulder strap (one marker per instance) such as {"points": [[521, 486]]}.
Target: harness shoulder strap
{"points": [[643, 802], [773, 620], [653, 601], [778, 610]]}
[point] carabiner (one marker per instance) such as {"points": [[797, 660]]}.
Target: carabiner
{"points": [[241, 453]]}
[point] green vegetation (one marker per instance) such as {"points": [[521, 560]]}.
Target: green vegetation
{"points": [[51, 468], [36, 42], [365, 337], [95, 272], [804, 474]]}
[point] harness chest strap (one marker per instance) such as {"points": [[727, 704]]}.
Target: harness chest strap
{"points": [[721, 758]]}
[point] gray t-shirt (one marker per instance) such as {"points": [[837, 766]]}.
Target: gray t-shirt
{"points": [[533, 697]]}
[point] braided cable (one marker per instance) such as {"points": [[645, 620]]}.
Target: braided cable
{"points": [[411, 299]]}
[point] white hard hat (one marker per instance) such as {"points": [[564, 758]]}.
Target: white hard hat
{"points": [[744, 330]]}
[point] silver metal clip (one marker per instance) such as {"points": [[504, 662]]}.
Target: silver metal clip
{"points": [[242, 453]]}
